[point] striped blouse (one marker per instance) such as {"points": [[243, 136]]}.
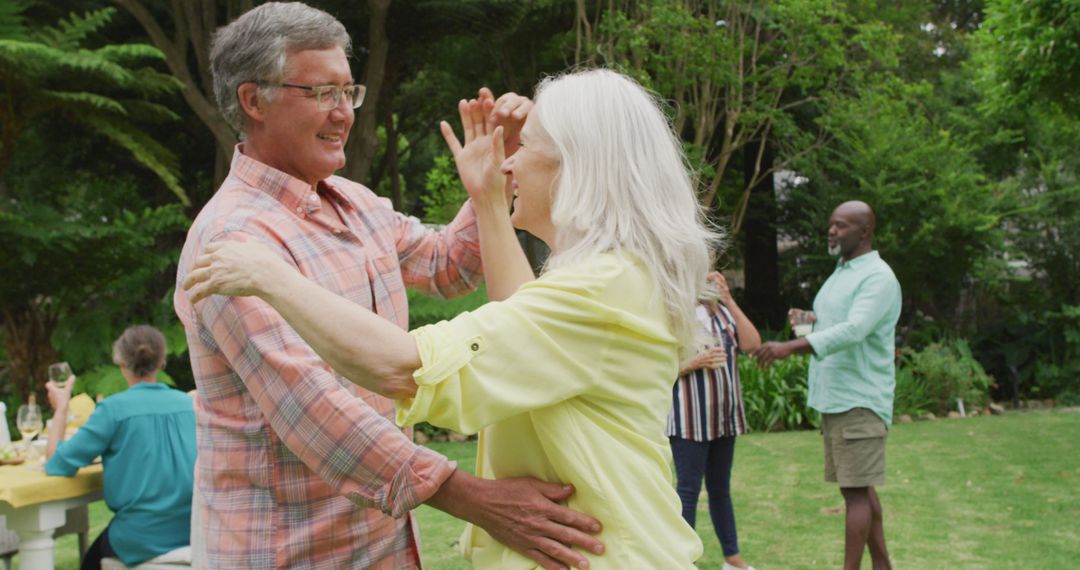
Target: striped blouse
{"points": [[707, 402]]}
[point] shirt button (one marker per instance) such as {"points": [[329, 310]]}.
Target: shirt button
{"points": [[299, 210], [475, 347]]}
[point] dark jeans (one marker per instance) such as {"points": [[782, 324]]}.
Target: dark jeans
{"points": [[713, 460], [98, 550]]}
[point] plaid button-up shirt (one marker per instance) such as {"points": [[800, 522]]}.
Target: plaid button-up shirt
{"points": [[298, 467]]}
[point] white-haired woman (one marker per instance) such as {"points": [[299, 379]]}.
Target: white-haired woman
{"points": [[568, 378]]}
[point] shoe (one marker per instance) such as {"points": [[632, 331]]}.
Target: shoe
{"points": [[730, 567]]}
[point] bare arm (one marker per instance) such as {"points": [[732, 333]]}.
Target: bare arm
{"points": [[59, 399], [769, 352], [362, 346]]}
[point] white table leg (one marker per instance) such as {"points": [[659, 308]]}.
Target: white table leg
{"points": [[35, 525], [36, 549]]}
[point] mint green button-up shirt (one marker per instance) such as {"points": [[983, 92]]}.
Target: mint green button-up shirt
{"points": [[854, 338]]}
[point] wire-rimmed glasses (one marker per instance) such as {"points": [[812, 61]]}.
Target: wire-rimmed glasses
{"points": [[329, 96]]}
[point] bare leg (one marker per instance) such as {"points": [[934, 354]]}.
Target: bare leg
{"points": [[878, 553], [856, 525]]}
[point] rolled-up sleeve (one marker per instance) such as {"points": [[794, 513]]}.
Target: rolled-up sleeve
{"points": [[89, 442], [874, 300]]}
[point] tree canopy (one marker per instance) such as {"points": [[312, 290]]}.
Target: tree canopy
{"points": [[955, 119]]}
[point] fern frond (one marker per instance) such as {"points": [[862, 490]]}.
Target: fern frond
{"points": [[130, 54], [12, 22], [145, 150], [29, 60], [149, 82], [70, 33], [79, 99], [88, 63], [146, 112]]}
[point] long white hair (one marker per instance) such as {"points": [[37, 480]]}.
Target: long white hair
{"points": [[624, 186]]}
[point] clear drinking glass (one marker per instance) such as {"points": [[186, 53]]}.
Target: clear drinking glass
{"points": [[802, 322], [59, 373], [29, 421]]}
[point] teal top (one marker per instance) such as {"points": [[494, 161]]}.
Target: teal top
{"points": [[854, 338], [146, 439]]}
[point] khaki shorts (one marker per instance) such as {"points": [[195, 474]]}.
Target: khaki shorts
{"points": [[854, 448]]}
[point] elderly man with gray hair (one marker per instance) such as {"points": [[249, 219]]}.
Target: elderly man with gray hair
{"points": [[298, 467]]}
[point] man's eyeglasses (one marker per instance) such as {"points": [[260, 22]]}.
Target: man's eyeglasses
{"points": [[329, 96]]}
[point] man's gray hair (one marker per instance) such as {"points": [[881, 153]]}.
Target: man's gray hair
{"points": [[254, 48]]}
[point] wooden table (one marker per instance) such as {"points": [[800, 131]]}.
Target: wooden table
{"points": [[36, 504]]}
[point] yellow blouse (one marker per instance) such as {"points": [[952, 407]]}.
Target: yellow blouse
{"points": [[569, 380]]}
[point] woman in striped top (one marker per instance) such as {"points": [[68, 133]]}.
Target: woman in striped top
{"points": [[707, 414]]}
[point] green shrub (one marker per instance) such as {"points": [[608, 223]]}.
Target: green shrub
{"points": [[775, 399], [445, 194], [912, 394], [425, 310], [934, 378]]}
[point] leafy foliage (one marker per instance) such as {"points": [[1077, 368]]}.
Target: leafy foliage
{"points": [[933, 379], [775, 398], [107, 380], [741, 77], [46, 72], [425, 310], [939, 220], [1031, 52], [445, 194]]}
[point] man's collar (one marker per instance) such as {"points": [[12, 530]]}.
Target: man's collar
{"points": [[860, 260], [295, 194]]}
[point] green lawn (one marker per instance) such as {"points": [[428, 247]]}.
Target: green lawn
{"points": [[987, 492]]}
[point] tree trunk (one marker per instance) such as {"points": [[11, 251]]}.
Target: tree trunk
{"points": [[27, 334], [365, 140], [762, 261], [194, 22], [392, 158]]}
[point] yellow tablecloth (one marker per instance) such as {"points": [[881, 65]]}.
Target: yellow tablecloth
{"points": [[20, 486]]}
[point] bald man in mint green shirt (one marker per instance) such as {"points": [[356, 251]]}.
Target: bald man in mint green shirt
{"points": [[853, 341], [852, 374]]}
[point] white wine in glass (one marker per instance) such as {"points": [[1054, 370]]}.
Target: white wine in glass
{"points": [[59, 373], [30, 422]]}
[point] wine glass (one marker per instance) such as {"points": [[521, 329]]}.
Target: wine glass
{"points": [[59, 373], [29, 421]]}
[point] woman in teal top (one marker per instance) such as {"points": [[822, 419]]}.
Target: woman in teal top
{"points": [[146, 439], [568, 377]]}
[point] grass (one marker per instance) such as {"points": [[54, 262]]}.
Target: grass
{"points": [[986, 492]]}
